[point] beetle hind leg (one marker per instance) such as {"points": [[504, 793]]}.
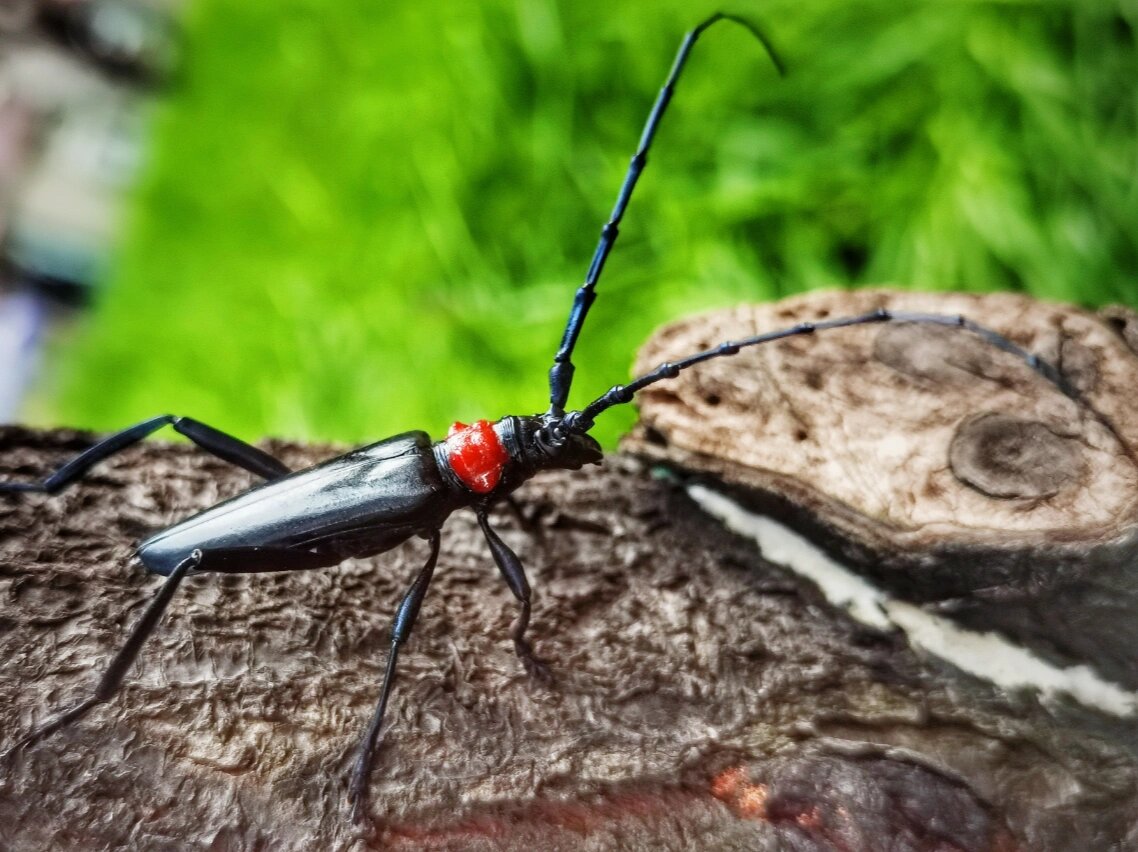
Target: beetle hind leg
{"points": [[515, 576]]}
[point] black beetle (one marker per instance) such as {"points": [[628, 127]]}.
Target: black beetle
{"points": [[374, 498]]}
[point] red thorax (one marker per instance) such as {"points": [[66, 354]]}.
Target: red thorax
{"points": [[476, 455]]}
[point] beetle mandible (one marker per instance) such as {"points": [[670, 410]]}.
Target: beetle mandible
{"points": [[374, 498]]}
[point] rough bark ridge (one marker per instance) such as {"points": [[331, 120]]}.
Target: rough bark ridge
{"points": [[945, 468], [704, 699]]}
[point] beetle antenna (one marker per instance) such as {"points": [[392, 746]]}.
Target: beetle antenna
{"points": [[582, 421], [561, 373]]}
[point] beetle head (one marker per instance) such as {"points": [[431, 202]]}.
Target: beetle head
{"points": [[578, 450], [550, 442]]}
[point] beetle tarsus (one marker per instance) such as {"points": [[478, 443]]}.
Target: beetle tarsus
{"points": [[537, 669], [48, 728], [21, 487]]}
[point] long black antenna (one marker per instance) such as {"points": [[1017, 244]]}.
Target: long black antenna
{"points": [[582, 421], [561, 373]]}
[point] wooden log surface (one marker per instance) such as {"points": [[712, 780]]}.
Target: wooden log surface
{"points": [[704, 698], [942, 467]]}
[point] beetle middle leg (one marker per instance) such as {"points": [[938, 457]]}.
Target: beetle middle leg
{"points": [[400, 630], [122, 661], [515, 576], [214, 441]]}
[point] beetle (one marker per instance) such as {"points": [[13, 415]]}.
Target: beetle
{"points": [[374, 498]]}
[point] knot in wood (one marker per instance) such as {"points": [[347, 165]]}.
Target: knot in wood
{"points": [[1009, 457]]}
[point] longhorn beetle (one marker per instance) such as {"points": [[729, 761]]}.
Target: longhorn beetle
{"points": [[372, 499]]}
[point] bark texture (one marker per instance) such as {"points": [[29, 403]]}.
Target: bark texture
{"points": [[944, 467], [704, 699]]}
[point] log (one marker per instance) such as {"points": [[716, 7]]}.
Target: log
{"points": [[703, 697], [943, 468]]}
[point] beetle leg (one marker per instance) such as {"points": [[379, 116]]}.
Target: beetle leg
{"points": [[400, 630], [515, 576], [122, 661], [220, 444]]}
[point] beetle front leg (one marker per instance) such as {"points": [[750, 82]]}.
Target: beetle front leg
{"points": [[122, 661], [515, 576], [400, 630]]}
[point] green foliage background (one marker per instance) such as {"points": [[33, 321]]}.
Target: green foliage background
{"points": [[364, 217]]}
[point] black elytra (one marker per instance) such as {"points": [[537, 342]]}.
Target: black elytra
{"points": [[374, 498]]}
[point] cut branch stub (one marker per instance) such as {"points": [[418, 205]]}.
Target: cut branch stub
{"points": [[944, 467]]}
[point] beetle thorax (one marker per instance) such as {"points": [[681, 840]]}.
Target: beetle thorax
{"points": [[477, 454]]}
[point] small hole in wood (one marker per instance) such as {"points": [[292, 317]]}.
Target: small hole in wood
{"points": [[1118, 324]]}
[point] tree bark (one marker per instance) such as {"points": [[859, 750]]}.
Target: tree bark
{"points": [[703, 698]]}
